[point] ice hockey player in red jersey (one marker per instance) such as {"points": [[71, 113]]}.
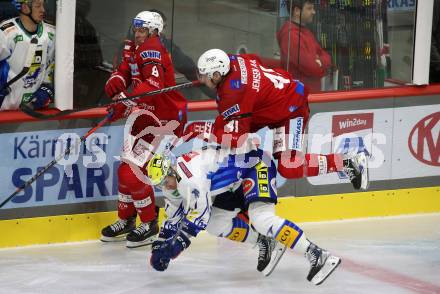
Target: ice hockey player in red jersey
{"points": [[250, 97], [146, 66]]}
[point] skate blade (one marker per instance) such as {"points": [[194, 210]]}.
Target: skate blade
{"points": [[119, 238], [331, 263], [146, 242], [278, 252]]}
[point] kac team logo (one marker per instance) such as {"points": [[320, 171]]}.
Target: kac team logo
{"points": [[424, 140]]}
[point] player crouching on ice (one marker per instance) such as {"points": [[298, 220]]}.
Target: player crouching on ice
{"points": [[201, 210], [192, 176]]}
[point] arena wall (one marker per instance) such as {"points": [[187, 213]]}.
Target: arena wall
{"points": [[65, 209]]}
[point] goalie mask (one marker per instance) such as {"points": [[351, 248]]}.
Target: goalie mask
{"points": [[212, 61]]}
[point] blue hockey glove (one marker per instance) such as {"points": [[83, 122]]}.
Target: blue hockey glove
{"points": [[177, 245], [42, 97], [160, 256]]}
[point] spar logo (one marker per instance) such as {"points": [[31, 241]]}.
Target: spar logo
{"points": [[424, 140]]}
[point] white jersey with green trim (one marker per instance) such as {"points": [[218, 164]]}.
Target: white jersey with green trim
{"points": [[14, 44]]}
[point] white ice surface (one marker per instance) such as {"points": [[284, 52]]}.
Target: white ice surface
{"points": [[383, 255]]}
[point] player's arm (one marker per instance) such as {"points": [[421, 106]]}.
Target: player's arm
{"points": [[119, 80], [193, 213], [231, 126], [6, 44]]}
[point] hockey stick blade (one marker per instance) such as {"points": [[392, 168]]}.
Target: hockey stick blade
{"points": [[29, 111], [26, 66], [53, 162]]}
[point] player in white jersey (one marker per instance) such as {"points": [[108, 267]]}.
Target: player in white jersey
{"points": [[193, 177], [27, 52], [194, 167]]}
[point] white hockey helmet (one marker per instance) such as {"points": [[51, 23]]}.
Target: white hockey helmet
{"points": [[212, 61], [149, 20]]}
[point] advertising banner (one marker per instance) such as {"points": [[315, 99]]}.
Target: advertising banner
{"points": [[416, 144], [89, 174], [402, 142]]}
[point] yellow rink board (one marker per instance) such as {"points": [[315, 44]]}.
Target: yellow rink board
{"points": [[80, 227]]}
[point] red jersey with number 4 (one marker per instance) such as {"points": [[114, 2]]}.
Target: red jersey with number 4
{"points": [[258, 96]]}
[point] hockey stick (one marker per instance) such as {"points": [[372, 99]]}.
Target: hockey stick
{"points": [[27, 64], [29, 111], [53, 162]]}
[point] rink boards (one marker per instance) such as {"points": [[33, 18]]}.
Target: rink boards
{"points": [[79, 227], [75, 200]]}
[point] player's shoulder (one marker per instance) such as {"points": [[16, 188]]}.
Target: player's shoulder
{"points": [[49, 27], [152, 49], [9, 26]]}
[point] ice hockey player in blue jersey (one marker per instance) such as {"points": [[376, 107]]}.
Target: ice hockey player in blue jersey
{"points": [[228, 198], [194, 177], [27, 52]]}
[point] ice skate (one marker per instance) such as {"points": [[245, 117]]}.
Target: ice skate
{"points": [[143, 235], [276, 255], [322, 264], [118, 230], [266, 246], [356, 168]]}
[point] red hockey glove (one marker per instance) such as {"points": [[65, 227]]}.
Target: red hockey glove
{"points": [[115, 85], [128, 51], [120, 109], [198, 129]]}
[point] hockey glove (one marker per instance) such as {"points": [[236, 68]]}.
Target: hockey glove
{"points": [[128, 51], [42, 97], [199, 129], [115, 85], [160, 256], [121, 109], [178, 244]]}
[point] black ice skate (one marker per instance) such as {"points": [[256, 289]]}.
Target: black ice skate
{"points": [[266, 246], [356, 168], [143, 235], [276, 255], [322, 264], [118, 230]]}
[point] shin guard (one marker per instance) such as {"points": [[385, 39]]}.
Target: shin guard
{"points": [[288, 234]]}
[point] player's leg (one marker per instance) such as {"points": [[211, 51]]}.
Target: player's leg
{"points": [[261, 199], [126, 211], [134, 197], [293, 163], [144, 204], [228, 222]]}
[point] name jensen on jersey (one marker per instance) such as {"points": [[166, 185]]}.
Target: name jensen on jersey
{"points": [[256, 76], [243, 70]]}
